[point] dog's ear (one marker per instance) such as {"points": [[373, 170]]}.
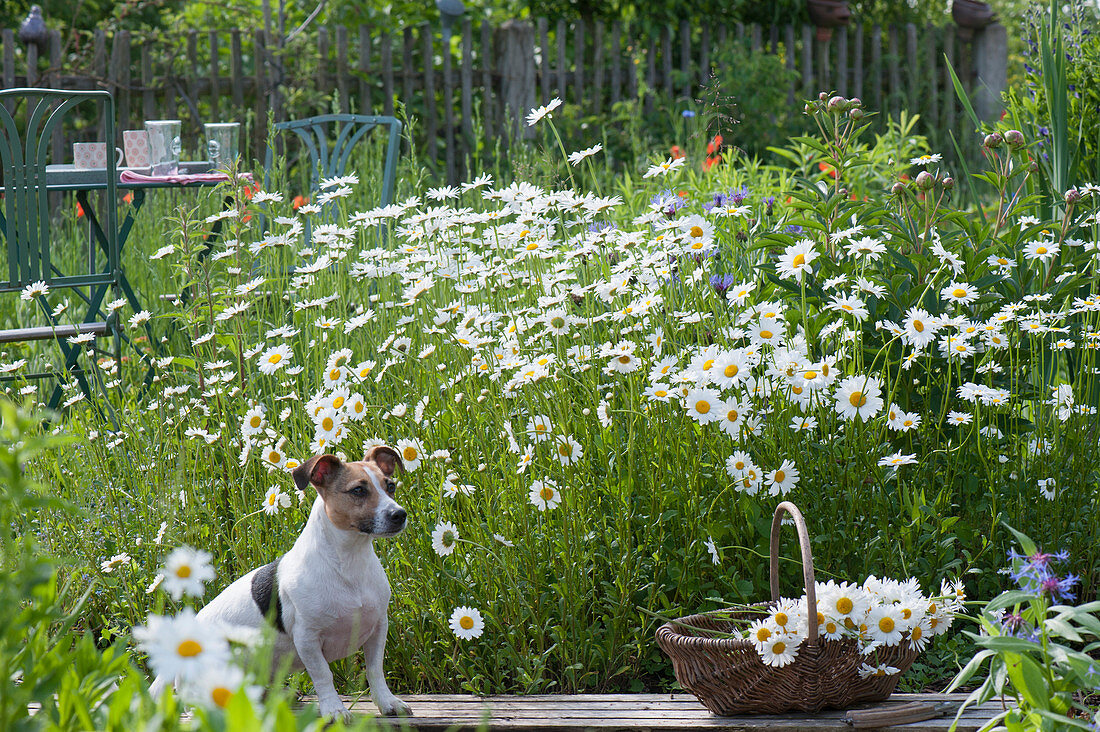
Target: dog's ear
{"points": [[386, 458], [318, 471]]}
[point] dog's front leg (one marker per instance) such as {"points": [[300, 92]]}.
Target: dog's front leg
{"points": [[373, 651], [308, 645]]}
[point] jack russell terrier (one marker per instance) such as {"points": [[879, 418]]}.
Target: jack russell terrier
{"points": [[328, 595]]}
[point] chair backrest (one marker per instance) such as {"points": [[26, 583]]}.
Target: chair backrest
{"points": [[328, 156], [24, 143]]}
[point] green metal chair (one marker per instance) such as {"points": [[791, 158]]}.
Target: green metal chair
{"points": [[29, 250], [330, 161]]}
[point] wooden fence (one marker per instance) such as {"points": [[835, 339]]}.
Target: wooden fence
{"points": [[471, 95]]}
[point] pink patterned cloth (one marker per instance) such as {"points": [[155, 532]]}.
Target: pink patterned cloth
{"points": [[129, 176]]}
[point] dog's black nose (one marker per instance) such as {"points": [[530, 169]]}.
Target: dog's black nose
{"points": [[398, 516]]}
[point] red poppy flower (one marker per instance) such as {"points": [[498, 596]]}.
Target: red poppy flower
{"points": [[298, 202], [676, 152], [129, 197], [79, 211], [827, 169]]}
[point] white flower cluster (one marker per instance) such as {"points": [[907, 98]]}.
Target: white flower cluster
{"points": [[879, 613]]}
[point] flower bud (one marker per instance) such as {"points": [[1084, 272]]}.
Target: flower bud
{"points": [[1072, 196], [948, 183], [993, 140], [823, 97], [855, 102], [837, 104], [899, 189], [1015, 138], [855, 113], [809, 108], [1033, 167], [925, 180]]}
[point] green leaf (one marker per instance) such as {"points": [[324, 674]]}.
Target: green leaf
{"points": [[1025, 542], [1027, 678]]}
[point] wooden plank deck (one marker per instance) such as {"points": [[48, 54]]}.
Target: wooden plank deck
{"points": [[653, 712]]}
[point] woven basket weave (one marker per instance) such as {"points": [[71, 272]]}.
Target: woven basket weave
{"points": [[728, 676]]}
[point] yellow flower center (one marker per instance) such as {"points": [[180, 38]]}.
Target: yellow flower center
{"points": [[256, 421], [830, 627], [762, 634], [338, 402], [766, 334], [273, 457], [918, 326], [732, 415], [959, 293], [565, 449], [1040, 250], [779, 647], [532, 246], [916, 633], [809, 375], [844, 605], [732, 370], [781, 619], [696, 231], [327, 424], [189, 648], [780, 476], [660, 393], [466, 622], [624, 360], [546, 493], [857, 399], [540, 428], [334, 374], [275, 358], [702, 406], [409, 453], [886, 625], [799, 260], [183, 571], [708, 364], [220, 696]]}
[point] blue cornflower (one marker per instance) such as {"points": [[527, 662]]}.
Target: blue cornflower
{"points": [[668, 202], [793, 229], [722, 282], [600, 226], [687, 114]]}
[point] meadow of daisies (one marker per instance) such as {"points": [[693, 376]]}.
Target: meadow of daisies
{"points": [[601, 387]]}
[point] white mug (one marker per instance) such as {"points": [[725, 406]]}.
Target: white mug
{"points": [[136, 145], [93, 155]]}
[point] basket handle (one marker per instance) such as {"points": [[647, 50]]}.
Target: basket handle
{"points": [[807, 562]]}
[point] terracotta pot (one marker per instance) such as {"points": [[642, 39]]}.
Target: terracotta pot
{"points": [[829, 13], [971, 14]]}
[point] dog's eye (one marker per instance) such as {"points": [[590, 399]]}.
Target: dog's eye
{"points": [[391, 486], [359, 490]]}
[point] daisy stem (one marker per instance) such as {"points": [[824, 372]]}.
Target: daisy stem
{"points": [[564, 154]]}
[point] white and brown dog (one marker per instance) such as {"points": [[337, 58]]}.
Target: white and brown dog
{"points": [[328, 595]]}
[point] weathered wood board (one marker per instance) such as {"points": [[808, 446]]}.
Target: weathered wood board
{"points": [[673, 712]]}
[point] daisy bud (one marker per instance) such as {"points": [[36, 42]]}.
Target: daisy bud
{"points": [[948, 183], [898, 189], [586, 411], [1015, 138], [993, 141], [823, 97], [1072, 196], [925, 180]]}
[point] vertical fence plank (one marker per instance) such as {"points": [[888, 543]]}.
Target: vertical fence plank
{"points": [[650, 75], [597, 66], [542, 27], [7, 36], [704, 55], [385, 53], [148, 99], [342, 69], [842, 61], [57, 139], [789, 52], [467, 76], [215, 92], [99, 70], [559, 36], [362, 69], [876, 67], [685, 59], [857, 62], [448, 113], [236, 70], [407, 66], [122, 96], [427, 58], [929, 72], [578, 61], [666, 60], [323, 65], [895, 73], [631, 64], [950, 100], [616, 56], [193, 79], [912, 61], [487, 111], [824, 79], [259, 73], [808, 62], [755, 34], [31, 59]]}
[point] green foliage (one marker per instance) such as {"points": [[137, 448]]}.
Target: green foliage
{"points": [[1035, 650]]}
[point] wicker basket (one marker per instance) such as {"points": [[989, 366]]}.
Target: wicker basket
{"points": [[728, 676]]}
